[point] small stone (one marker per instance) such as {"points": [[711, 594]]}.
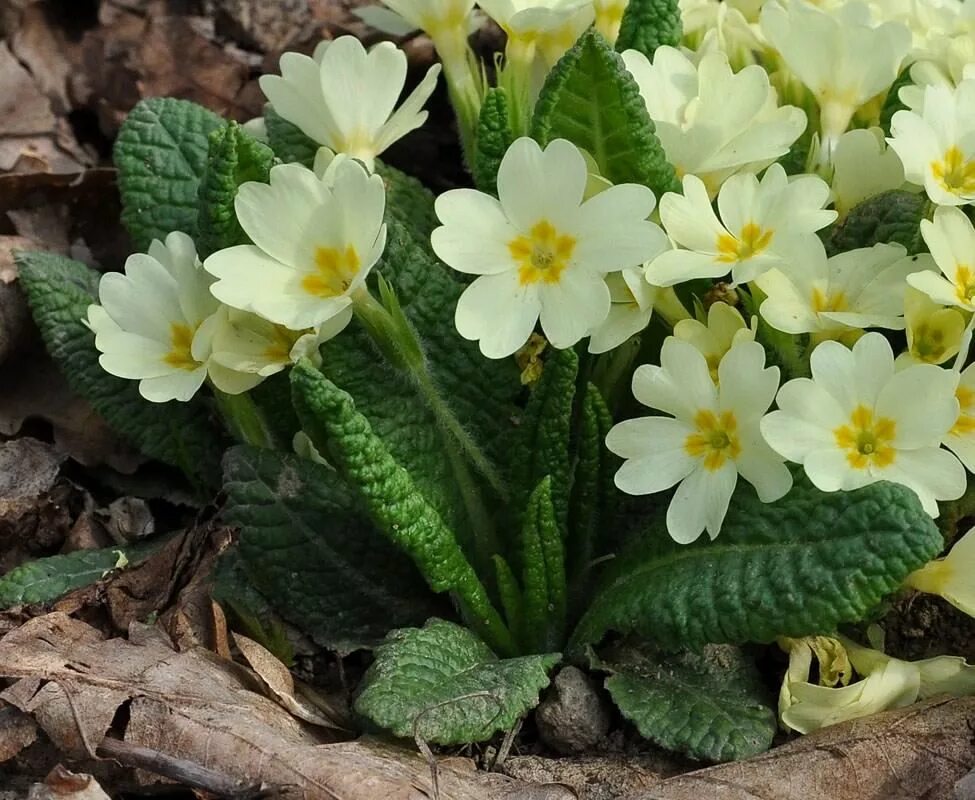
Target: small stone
{"points": [[574, 717]]}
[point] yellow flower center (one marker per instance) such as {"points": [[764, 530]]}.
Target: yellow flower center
{"points": [[180, 353], [542, 255], [715, 440], [868, 441], [954, 173], [336, 270], [828, 302], [964, 283], [752, 241], [282, 340], [965, 424]]}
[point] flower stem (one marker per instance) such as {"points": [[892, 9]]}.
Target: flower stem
{"points": [[244, 419]]}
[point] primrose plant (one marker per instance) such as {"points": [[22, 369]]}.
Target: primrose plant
{"points": [[717, 276]]}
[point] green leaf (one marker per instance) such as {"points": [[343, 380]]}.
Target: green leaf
{"points": [[594, 495], [797, 567], [892, 217], [161, 154], [410, 203], [308, 547], [59, 291], [541, 441], [590, 99], [892, 103], [494, 137], [391, 498], [287, 141], [543, 566], [647, 24], [47, 579], [234, 158], [710, 705], [442, 684]]}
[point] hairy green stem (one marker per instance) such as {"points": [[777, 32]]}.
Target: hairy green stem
{"points": [[244, 419]]}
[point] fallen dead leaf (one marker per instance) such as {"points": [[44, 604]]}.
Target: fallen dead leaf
{"points": [[203, 710], [279, 682], [913, 753], [62, 784], [17, 731]]}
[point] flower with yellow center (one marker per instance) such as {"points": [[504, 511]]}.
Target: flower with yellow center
{"points": [[710, 440], [632, 306], [725, 328], [951, 576], [937, 143], [541, 252], [315, 241], [934, 333], [344, 97], [857, 421], [545, 27], [609, 16], [951, 239], [148, 318], [763, 224], [961, 438], [839, 296]]}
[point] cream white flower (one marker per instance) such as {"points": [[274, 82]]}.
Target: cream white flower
{"points": [[857, 422], [701, 132], [886, 683], [549, 27], [609, 15], [147, 321], [951, 239], [540, 252], [840, 56], [951, 577], [861, 288], [961, 438], [937, 145], [344, 96], [934, 333], [728, 26], [762, 225], [863, 166], [711, 439], [725, 328], [314, 244], [632, 300]]}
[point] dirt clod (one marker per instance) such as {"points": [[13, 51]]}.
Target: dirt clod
{"points": [[574, 717]]}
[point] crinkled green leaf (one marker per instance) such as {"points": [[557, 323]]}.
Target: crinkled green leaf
{"points": [[442, 684], [590, 99], [647, 24], [800, 566], [543, 574], [541, 440], [161, 154], [287, 141], [391, 498], [892, 217], [234, 157], [493, 140], [709, 705], [185, 435], [410, 203], [46, 579], [308, 546]]}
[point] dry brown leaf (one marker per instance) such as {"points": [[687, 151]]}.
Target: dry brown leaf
{"points": [[278, 681], [17, 731], [62, 784], [28, 469], [200, 708], [914, 753]]}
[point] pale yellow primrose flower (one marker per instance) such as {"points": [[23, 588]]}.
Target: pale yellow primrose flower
{"points": [[937, 145], [763, 224], [857, 421], [961, 438], [839, 55], [314, 244], [632, 300], [951, 577], [148, 318], [934, 333], [609, 16], [726, 26], [545, 27], [701, 132], [724, 329], [838, 296], [887, 683], [540, 251], [951, 239], [344, 97], [711, 439], [863, 167]]}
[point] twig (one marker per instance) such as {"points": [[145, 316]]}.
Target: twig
{"points": [[188, 773]]}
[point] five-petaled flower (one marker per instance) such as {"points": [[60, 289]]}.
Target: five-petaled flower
{"points": [[951, 240]]}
